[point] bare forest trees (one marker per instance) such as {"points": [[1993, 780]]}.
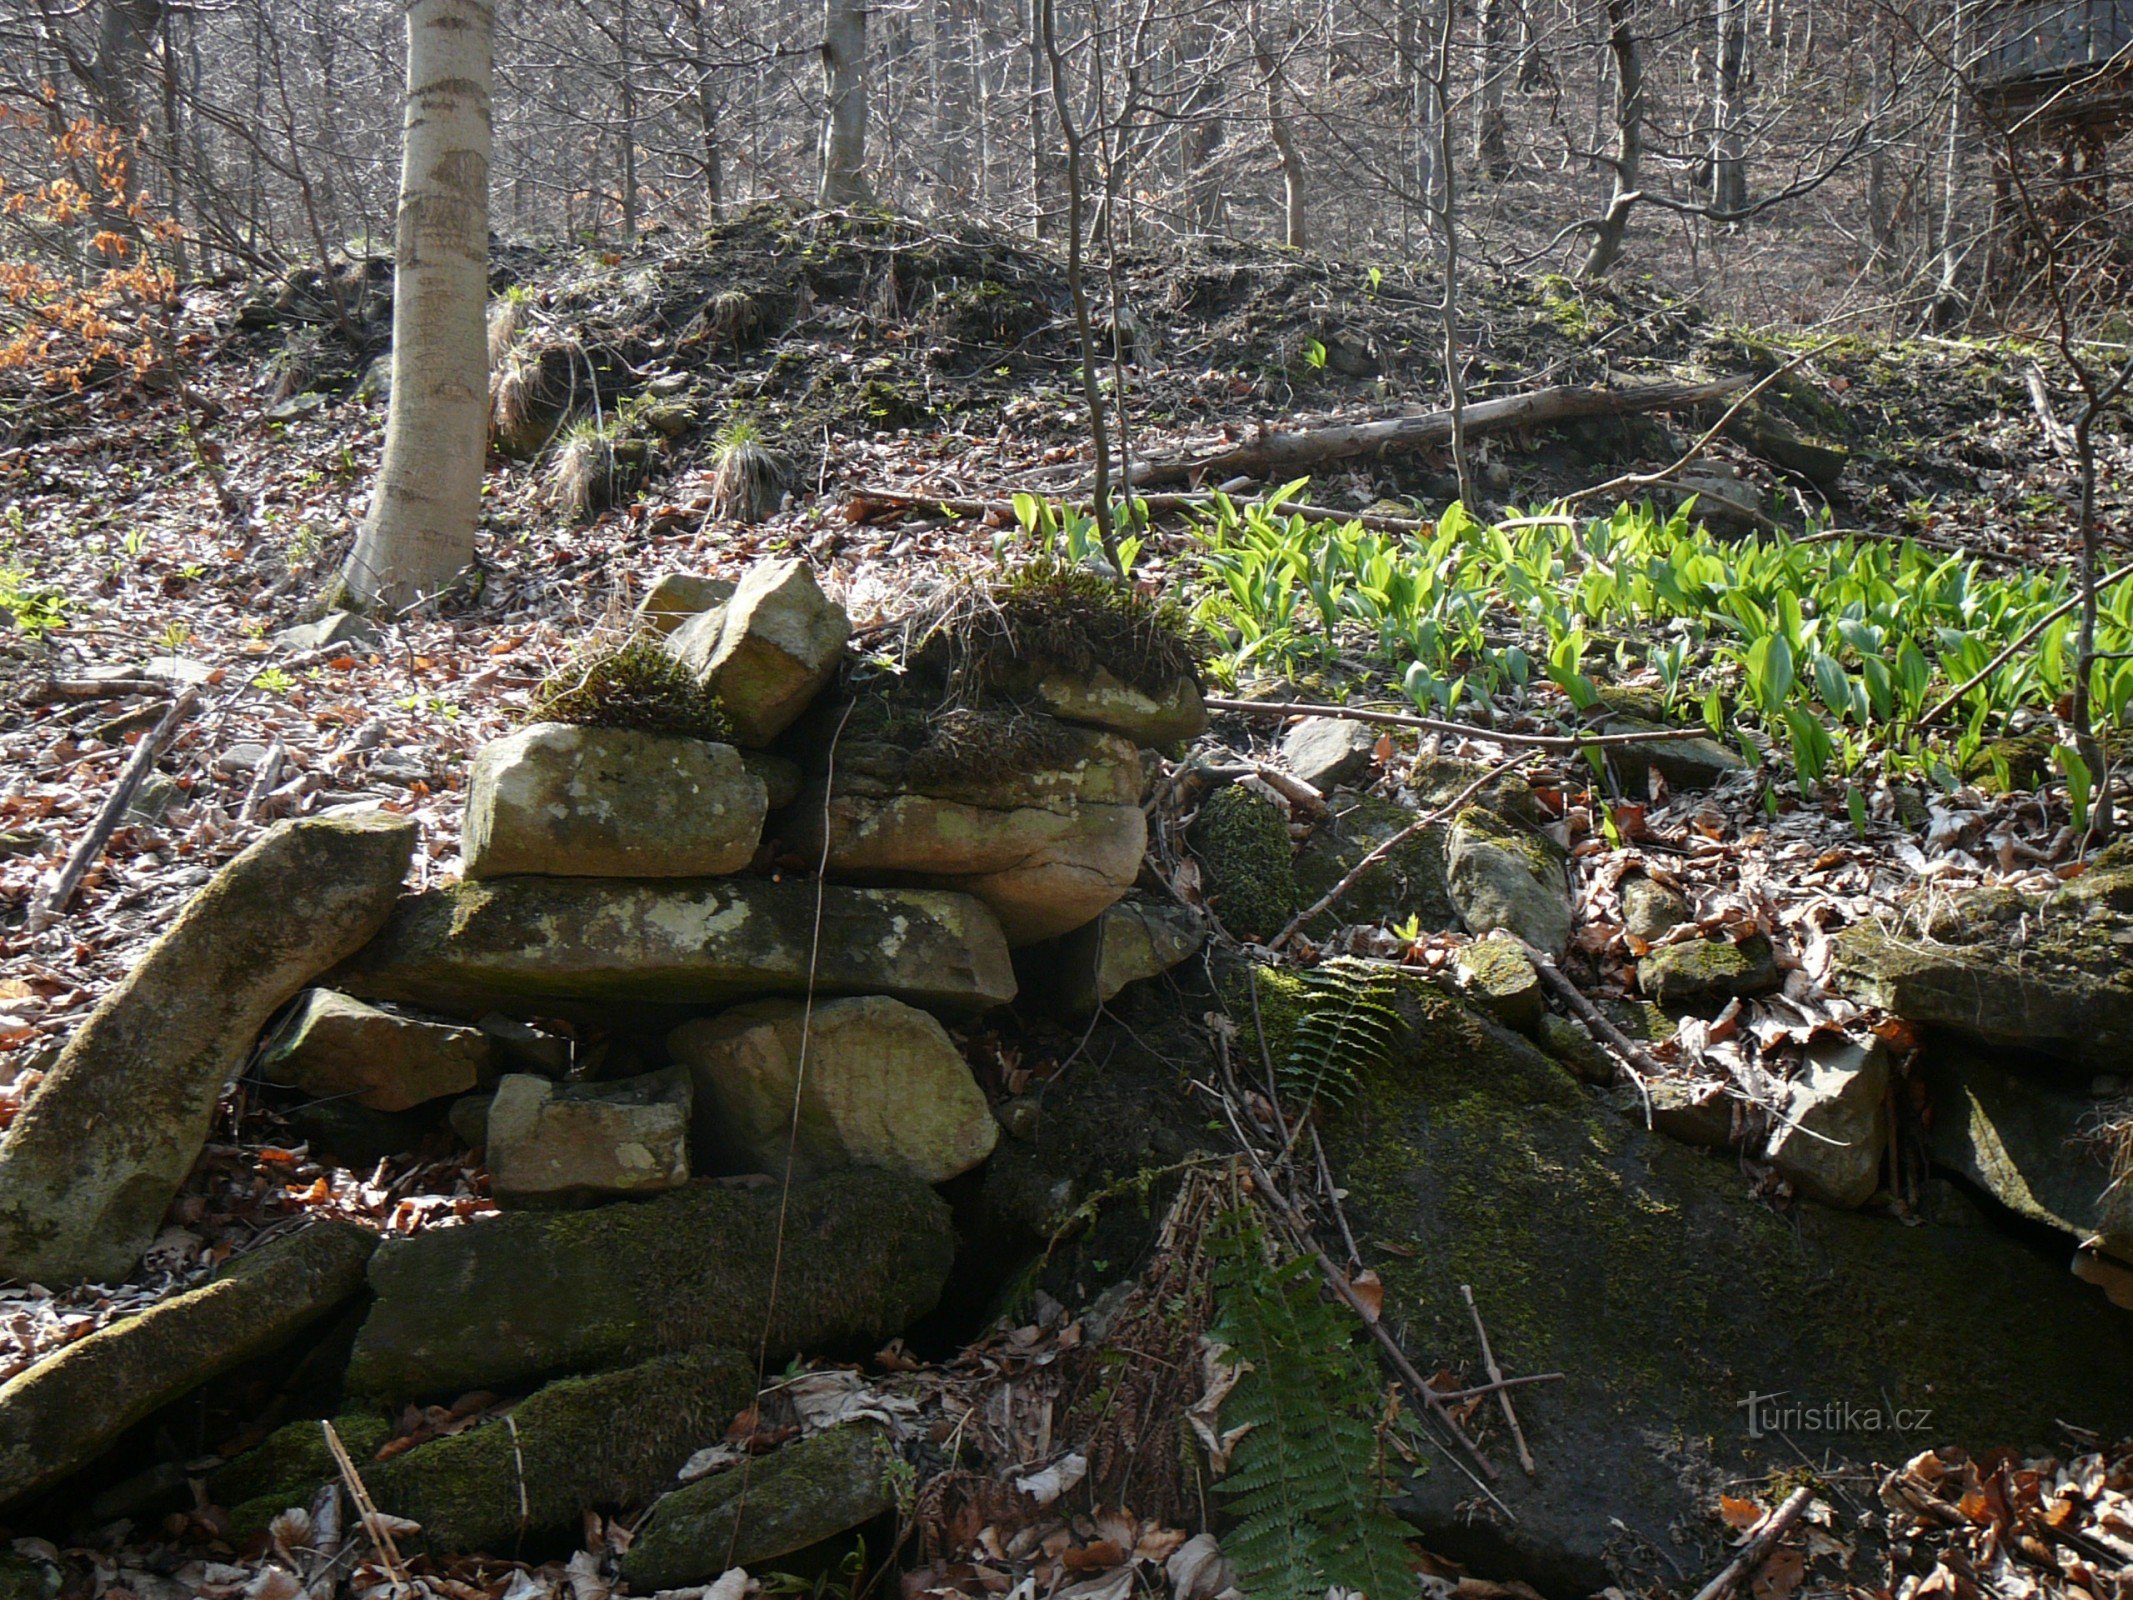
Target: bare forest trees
{"points": [[420, 530], [1724, 146]]}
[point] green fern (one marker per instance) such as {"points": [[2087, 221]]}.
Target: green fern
{"points": [[1347, 1028], [1305, 1484]]}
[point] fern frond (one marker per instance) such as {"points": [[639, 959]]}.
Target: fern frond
{"points": [[1304, 1484], [1348, 1028]]}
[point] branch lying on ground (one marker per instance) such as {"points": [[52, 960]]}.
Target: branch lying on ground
{"points": [[1269, 453], [1752, 1553], [1631, 1056], [1427, 820], [1402, 719], [138, 766]]}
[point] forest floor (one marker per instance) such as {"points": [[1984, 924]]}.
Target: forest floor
{"points": [[169, 542]]}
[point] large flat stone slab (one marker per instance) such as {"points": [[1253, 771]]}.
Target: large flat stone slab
{"points": [[529, 1295], [61, 1414], [91, 1165], [511, 942]]}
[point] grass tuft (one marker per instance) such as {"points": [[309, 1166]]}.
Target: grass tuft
{"points": [[633, 684], [747, 478]]}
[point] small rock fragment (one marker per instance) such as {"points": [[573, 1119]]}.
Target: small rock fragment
{"points": [[1700, 972], [1501, 876], [335, 627], [677, 597], [1836, 1125], [1500, 977], [331, 1045], [1328, 751], [551, 1145], [1650, 910]]}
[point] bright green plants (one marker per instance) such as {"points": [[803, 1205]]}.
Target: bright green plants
{"points": [[1307, 1483]]}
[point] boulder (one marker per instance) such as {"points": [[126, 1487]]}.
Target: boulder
{"points": [[531, 1294], [1704, 972], [1576, 1049], [1500, 978], [332, 1046], [63, 1412], [559, 1145], [1836, 1126], [1329, 751], [799, 1495], [2026, 1143], [1649, 1274], [1247, 865], [607, 1441], [2049, 975], [677, 597], [570, 801], [1048, 838], [527, 943], [1136, 939], [1157, 716], [89, 1167], [341, 1133], [1651, 910], [884, 1087], [1501, 876], [768, 651], [1698, 763], [781, 778], [516, 1046]]}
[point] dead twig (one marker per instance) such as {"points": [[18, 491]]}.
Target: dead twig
{"points": [[1631, 1056], [263, 781], [373, 1525], [1451, 1396], [1775, 1527], [54, 903], [1503, 1395], [1300, 1239], [1404, 719], [1348, 879]]}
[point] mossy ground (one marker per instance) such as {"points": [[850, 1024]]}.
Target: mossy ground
{"points": [[1645, 1272]]}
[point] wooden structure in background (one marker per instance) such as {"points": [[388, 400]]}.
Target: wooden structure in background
{"points": [[2053, 89]]}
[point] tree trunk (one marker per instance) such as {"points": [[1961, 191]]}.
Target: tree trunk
{"points": [[1729, 165], [420, 531], [844, 83], [1492, 65], [1627, 52], [1294, 231], [1044, 159]]}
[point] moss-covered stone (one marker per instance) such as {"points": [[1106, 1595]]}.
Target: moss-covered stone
{"points": [[1500, 978], [1646, 1272], [522, 1296], [1242, 841], [94, 1160], [286, 1468], [2013, 764], [807, 1492], [1410, 882], [595, 1443], [525, 943], [1510, 878], [1570, 1044], [59, 1415], [1703, 972], [2048, 975]]}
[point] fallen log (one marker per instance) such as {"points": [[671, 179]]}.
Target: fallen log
{"points": [[1270, 453]]}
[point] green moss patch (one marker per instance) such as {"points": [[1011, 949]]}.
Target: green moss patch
{"points": [[1242, 841]]}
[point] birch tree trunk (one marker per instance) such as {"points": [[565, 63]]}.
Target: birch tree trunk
{"points": [[419, 534], [844, 126]]}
